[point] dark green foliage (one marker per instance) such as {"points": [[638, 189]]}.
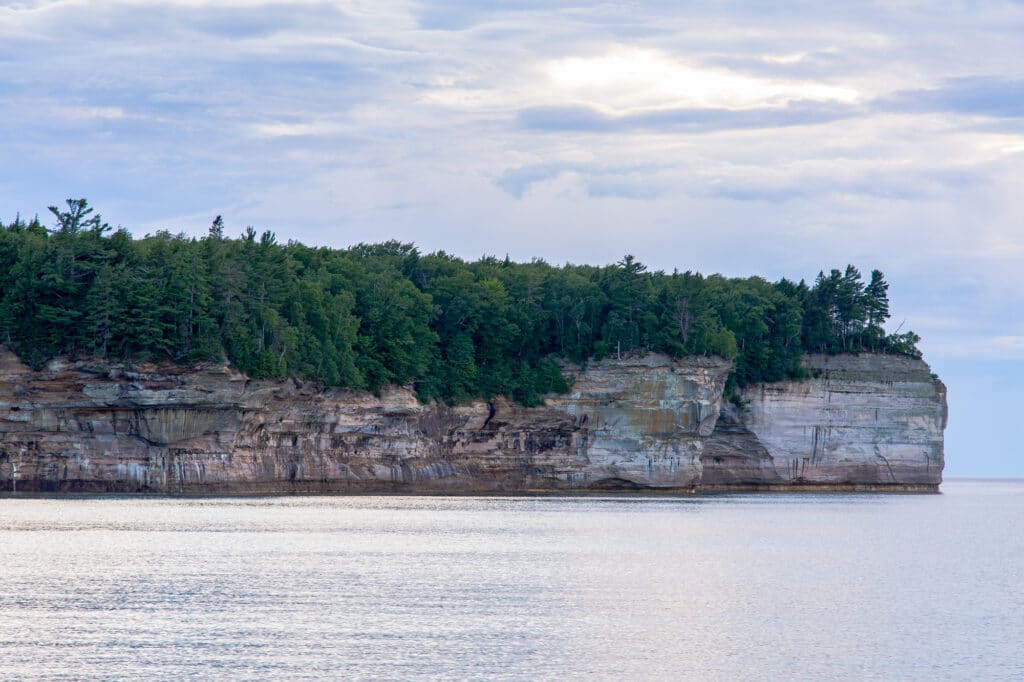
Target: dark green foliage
{"points": [[379, 314], [843, 315]]}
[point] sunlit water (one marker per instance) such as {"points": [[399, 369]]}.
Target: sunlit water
{"points": [[722, 587]]}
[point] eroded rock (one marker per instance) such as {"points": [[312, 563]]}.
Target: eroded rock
{"points": [[637, 423]]}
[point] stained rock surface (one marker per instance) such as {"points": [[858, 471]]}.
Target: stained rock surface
{"points": [[639, 423], [857, 420]]}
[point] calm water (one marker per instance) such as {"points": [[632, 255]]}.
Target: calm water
{"points": [[732, 587]]}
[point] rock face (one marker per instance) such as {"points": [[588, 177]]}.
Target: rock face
{"points": [[639, 423], [858, 421]]}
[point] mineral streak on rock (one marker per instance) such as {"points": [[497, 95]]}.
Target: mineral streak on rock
{"points": [[861, 422]]}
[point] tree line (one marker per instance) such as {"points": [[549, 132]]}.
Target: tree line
{"points": [[377, 314]]}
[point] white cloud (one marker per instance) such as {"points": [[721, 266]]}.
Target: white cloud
{"points": [[793, 58], [303, 129], [625, 79], [80, 113]]}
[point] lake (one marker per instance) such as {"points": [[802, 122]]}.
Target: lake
{"points": [[724, 587]]}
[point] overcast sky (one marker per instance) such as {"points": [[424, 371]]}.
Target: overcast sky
{"points": [[775, 139]]}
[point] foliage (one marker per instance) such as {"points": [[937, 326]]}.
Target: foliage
{"points": [[378, 314]]}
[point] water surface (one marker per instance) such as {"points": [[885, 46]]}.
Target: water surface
{"points": [[711, 587]]}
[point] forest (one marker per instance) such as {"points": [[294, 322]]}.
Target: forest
{"points": [[377, 314]]}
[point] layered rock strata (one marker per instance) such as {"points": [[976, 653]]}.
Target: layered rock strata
{"points": [[638, 423], [857, 421]]}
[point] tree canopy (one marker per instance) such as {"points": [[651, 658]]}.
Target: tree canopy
{"points": [[377, 314]]}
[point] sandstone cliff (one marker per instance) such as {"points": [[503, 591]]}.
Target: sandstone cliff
{"points": [[650, 422], [857, 421]]}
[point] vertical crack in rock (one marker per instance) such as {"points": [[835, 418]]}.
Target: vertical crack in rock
{"points": [[860, 411]]}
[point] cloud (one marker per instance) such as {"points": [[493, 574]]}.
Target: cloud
{"points": [[516, 181], [597, 181], [623, 80], [975, 95], [587, 119], [869, 181]]}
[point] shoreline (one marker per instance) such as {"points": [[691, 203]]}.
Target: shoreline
{"points": [[311, 491]]}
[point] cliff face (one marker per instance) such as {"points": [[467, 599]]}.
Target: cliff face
{"points": [[858, 420], [639, 423]]}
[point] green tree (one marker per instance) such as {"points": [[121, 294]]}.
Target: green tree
{"points": [[379, 314]]}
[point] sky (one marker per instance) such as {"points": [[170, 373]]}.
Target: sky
{"points": [[746, 138]]}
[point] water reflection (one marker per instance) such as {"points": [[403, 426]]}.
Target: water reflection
{"points": [[730, 587]]}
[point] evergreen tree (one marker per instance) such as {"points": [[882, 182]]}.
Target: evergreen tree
{"points": [[379, 314]]}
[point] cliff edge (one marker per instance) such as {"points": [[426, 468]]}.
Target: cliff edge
{"points": [[858, 422]]}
